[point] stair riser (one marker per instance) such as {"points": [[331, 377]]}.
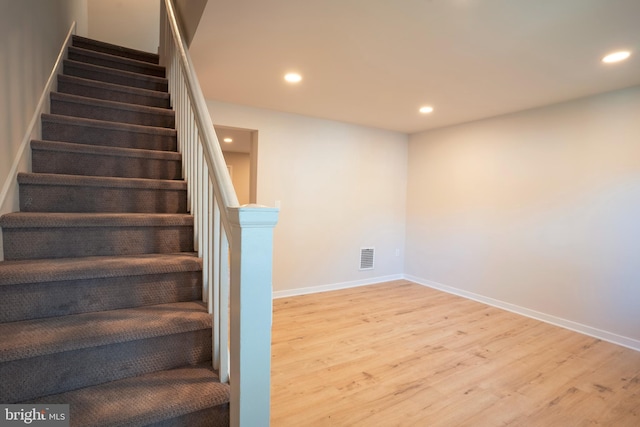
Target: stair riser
{"points": [[66, 242], [70, 163], [121, 138], [111, 95], [114, 50], [108, 76], [54, 198], [59, 372], [118, 65], [111, 114], [49, 299]]}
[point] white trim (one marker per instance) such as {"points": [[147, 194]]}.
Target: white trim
{"points": [[547, 318], [42, 107], [335, 286]]}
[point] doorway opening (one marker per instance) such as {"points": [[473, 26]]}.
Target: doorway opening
{"points": [[240, 150]]}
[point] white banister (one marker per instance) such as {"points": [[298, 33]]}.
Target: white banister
{"points": [[234, 242], [251, 318]]}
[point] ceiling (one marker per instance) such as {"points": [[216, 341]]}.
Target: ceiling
{"points": [[375, 62]]}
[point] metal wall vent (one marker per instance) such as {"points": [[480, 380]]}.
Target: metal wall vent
{"points": [[366, 258]]}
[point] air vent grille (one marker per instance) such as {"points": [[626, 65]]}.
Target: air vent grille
{"points": [[366, 258]]}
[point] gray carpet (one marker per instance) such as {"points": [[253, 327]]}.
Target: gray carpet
{"points": [[81, 106], [116, 62], [111, 92], [100, 293], [42, 192], [109, 75], [83, 159], [100, 133], [162, 397]]}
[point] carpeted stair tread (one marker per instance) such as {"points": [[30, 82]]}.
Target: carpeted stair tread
{"points": [[52, 192], [99, 181], [114, 61], [146, 399], [104, 150], [112, 49], [112, 92], [32, 338], [92, 108], [50, 270], [63, 220], [33, 289], [93, 132], [98, 160], [109, 75], [36, 235], [33, 377]]}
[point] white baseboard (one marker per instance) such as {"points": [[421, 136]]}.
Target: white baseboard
{"points": [[557, 321], [335, 286]]}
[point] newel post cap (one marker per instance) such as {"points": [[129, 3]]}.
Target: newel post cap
{"points": [[253, 216]]}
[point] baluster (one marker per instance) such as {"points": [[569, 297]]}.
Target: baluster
{"points": [[200, 200], [202, 181], [196, 181], [204, 240], [224, 307], [198, 185], [188, 150], [215, 284], [192, 164]]}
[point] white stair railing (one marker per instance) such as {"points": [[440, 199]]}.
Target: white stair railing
{"points": [[235, 242]]}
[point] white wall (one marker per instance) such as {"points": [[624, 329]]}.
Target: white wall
{"points": [[130, 23], [340, 186], [539, 210], [240, 174], [32, 33], [78, 10]]}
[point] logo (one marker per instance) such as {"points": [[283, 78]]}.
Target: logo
{"points": [[34, 415]]}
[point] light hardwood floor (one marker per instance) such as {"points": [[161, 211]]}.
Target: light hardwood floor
{"points": [[400, 354]]}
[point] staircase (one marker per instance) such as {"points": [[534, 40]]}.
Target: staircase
{"points": [[101, 293]]}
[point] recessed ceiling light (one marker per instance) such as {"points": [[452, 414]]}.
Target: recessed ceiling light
{"points": [[227, 140], [293, 77], [616, 56], [426, 109]]}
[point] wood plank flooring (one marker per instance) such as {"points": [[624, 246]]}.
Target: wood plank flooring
{"points": [[400, 354]]}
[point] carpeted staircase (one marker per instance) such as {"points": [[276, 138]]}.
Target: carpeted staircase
{"points": [[100, 293]]}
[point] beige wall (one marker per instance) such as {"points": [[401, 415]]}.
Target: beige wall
{"points": [[32, 33], [539, 209], [340, 186], [241, 172], [130, 23]]}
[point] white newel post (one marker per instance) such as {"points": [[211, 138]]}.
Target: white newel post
{"points": [[251, 314]]}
